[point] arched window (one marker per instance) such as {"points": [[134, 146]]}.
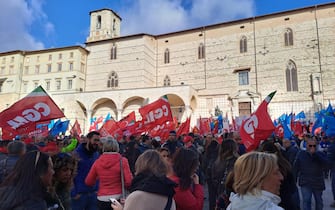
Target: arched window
{"points": [[113, 52], [113, 80], [98, 26], [167, 56], [243, 44], [291, 76], [201, 51], [288, 37], [167, 81]]}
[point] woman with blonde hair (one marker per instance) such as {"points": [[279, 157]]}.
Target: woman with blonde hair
{"points": [[150, 188], [257, 180], [107, 169]]}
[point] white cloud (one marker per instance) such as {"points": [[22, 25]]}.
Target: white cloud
{"points": [[16, 17], [164, 16]]}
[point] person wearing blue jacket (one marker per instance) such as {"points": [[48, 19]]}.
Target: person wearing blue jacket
{"points": [[84, 197], [309, 166]]}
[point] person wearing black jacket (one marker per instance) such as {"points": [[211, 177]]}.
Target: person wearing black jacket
{"points": [[309, 167]]}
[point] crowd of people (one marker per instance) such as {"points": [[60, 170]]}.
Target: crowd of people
{"points": [[141, 172]]}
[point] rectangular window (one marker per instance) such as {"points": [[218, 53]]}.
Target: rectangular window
{"points": [[3, 60], [37, 69], [2, 71], [1, 85], [201, 51], [49, 68], [59, 67], [38, 59], [27, 60], [12, 59], [113, 52], [243, 77], [26, 70], [60, 56], [167, 56], [58, 85], [50, 57], [71, 66], [69, 84], [25, 87], [71, 54], [47, 85], [82, 67], [11, 69]]}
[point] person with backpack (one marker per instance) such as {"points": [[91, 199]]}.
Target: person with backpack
{"points": [[15, 150]]}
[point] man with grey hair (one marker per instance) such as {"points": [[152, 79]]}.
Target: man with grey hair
{"points": [[15, 150]]}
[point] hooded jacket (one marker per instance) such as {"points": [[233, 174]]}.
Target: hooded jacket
{"points": [[265, 201], [106, 169]]}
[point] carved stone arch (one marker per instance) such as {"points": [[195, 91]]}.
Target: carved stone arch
{"points": [[102, 107], [177, 105], [133, 104], [193, 103]]}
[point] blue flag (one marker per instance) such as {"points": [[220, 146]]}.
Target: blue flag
{"points": [[220, 122], [108, 117], [330, 111], [300, 116], [330, 126], [59, 127]]}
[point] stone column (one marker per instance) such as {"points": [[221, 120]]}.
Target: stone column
{"points": [[119, 114], [88, 120]]}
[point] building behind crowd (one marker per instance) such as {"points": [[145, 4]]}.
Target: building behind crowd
{"points": [[228, 67]]}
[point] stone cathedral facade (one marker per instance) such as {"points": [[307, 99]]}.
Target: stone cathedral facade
{"points": [[229, 67]]}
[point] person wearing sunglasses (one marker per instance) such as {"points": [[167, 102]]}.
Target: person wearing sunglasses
{"points": [[309, 167]]}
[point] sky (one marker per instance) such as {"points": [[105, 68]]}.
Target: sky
{"points": [[42, 24]]}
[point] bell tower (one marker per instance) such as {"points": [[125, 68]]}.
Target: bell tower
{"points": [[104, 24]]}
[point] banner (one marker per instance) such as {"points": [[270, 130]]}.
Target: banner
{"points": [[156, 113], [23, 116], [184, 128], [258, 126]]}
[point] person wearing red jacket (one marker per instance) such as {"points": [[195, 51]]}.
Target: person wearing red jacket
{"points": [[107, 170], [189, 193]]}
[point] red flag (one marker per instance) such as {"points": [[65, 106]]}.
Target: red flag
{"points": [[162, 131], [76, 130], [297, 128], [279, 131], [258, 126], [124, 122], [156, 113], [205, 127], [110, 128], [23, 115], [184, 128]]}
